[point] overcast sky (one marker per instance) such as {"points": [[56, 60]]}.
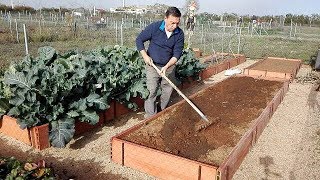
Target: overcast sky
{"points": [[241, 7]]}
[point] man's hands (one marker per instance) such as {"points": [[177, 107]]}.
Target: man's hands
{"points": [[163, 70], [148, 60]]}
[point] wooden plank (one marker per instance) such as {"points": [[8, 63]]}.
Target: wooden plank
{"points": [[10, 127], [117, 150], [163, 165], [276, 75], [253, 72]]}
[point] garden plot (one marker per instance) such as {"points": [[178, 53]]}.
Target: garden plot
{"points": [[275, 67], [169, 145]]}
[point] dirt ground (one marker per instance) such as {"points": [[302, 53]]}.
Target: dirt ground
{"points": [[289, 147]]}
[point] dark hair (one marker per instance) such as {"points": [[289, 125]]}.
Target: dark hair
{"points": [[173, 11]]}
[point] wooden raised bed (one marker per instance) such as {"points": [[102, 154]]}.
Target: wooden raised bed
{"points": [[275, 67], [224, 65], [168, 145], [37, 137]]}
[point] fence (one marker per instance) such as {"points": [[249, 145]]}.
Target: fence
{"points": [[210, 36]]}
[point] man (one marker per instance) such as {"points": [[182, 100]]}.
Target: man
{"points": [[191, 19], [166, 41]]}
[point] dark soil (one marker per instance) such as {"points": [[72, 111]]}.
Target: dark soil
{"points": [[231, 105], [63, 169], [276, 65]]}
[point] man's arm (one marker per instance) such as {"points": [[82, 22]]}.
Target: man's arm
{"points": [[144, 36]]}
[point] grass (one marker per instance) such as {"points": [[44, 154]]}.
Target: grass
{"points": [[62, 38]]}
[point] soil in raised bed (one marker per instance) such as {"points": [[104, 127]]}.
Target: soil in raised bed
{"points": [[276, 65], [232, 104]]}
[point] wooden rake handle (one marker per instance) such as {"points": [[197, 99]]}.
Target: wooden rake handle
{"points": [[180, 93]]}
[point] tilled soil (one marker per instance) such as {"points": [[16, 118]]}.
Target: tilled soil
{"points": [[277, 65], [233, 104]]}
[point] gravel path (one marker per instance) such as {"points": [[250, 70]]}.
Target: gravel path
{"points": [[287, 149]]}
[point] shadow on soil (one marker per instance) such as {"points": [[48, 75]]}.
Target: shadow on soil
{"points": [[85, 138]]}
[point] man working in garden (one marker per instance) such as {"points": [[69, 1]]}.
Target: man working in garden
{"points": [[166, 42]]}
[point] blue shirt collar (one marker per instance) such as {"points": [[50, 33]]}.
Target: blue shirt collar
{"points": [[162, 28]]}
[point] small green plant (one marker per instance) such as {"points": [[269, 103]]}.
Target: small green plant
{"points": [[11, 168]]}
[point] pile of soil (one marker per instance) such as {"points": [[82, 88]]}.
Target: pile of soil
{"points": [[231, 105]]}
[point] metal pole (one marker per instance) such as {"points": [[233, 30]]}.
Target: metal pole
{"points": [[224, 29], [291, 28], [10, 25], [132, 22], [25, 38], [204, 44], [87, 23], [201, 33], [188, 41], [121, 28], [40, 26], [239, 40], [116, 33], [17, 35]]}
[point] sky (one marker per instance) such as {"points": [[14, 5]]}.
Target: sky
{"points": [[240, 7]]}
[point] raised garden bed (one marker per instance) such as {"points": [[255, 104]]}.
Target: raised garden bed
{"points": [[169, 146], [275, 67], [37, 137], [227, 63]]}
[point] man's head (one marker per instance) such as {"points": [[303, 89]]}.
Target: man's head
{"points": [[172, 19]]}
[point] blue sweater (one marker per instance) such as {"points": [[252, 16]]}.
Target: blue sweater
{"points": [[161, 48]]}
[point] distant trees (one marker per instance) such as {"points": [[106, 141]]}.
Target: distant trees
{"points": [[4, 8]]}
